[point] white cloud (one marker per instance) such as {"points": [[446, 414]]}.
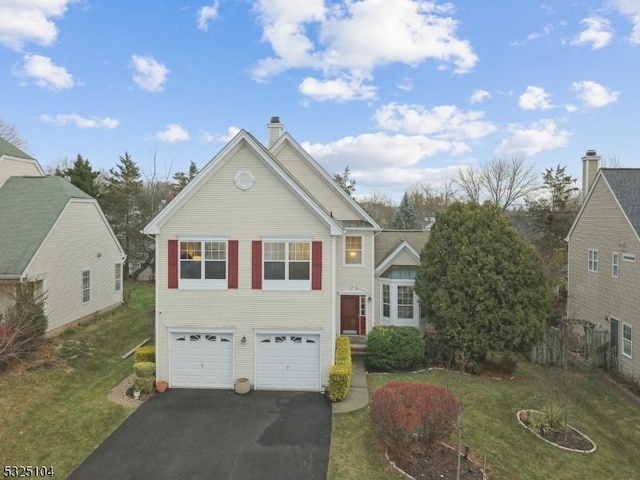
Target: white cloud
{"points": [[631, 9], [535, 98], [479, 96], [79, 121], [150, 74], [44, 73], [206, 14], [338, 89], [393, 181], [208, 137], [593, 94], [405, 84], [349, 40], [380, 150], [173, 133], [443, 121], [597, 32], [23, 21], [534, 138]]}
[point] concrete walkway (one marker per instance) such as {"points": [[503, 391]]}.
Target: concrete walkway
{"points": [[358, 393]]}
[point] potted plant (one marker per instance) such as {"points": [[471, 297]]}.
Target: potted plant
{"points": [[161, 386]]}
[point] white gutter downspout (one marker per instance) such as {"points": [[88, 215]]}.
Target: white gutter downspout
{"points": [[334, 294]]}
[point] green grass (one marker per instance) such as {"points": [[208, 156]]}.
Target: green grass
{"points": [[54, 409], [595, 406]]}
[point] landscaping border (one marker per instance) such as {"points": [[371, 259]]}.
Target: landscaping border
{"points": [[595, 447]]}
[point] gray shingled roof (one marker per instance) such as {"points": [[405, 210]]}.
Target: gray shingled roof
{"points": [[625, 183], [388, 240], [8, 149], [29, 206]]}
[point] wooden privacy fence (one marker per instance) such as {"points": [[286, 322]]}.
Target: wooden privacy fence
{"points": [[552, 349]]}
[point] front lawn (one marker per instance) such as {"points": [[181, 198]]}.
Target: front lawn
{"points": [[595, 406], [54, 409]]}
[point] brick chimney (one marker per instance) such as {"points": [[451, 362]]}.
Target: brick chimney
{"points": [[275, 129], [590, 166]]}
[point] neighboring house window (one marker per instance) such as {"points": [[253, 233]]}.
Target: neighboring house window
{"points": [[118, 277], [626, 340], [287, 265], [615, 264], [86, 286], [629, 257], [353, 250], [593, 260], [203, 264], [386, 301]]}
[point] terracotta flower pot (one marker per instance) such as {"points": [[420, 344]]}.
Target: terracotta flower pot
{"points": [[161, 386]]}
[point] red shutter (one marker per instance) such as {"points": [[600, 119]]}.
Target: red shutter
{"points": [[173, 264], [256, 264], [233, 264], [316, 265]]}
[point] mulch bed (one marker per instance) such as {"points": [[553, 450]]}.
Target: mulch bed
{"points": [[437, 463], [569, 439]]}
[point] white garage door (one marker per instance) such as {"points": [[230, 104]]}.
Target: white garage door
{"points": [[287, 361], [202, 360]]}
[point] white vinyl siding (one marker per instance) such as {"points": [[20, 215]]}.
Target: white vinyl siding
{"points": [[592, 263], [627, 340]]}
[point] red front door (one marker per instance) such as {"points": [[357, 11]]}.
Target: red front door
{"points": [[350, 314]]}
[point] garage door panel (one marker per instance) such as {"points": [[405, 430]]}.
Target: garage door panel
{"points": [[202, 360], [288, 361]]}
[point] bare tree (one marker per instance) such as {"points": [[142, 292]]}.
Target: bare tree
{"points": [[503, 181], [380, 206], [11, 135]]}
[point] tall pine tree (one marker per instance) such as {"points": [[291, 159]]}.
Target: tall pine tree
{"points": [[82, 176], [405, 217]]}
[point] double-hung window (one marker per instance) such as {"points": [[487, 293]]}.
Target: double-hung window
{"points": [[353, 250], [203, 263], [593, 260], [86, 286], [626, 340], [118, 277], [615, 264], [399, 304], [287, 265]]}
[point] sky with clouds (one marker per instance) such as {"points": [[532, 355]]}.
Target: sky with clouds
{"points": [[401, 91]]}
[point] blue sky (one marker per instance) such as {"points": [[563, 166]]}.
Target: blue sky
{"points": [[401, 91]]}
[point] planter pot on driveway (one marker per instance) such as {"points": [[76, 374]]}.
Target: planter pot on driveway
{"points": [[242, 386]]}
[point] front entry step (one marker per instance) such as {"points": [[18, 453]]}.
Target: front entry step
{"points": [[358, 345]]}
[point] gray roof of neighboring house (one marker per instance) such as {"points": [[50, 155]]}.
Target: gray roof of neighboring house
{"points": [[625, 184], [388, 240], [29, 207], [7, 148]]}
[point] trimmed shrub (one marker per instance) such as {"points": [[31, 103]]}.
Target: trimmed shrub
{"points": [[404, 413], [395, 348], [144, 369], [146, 353], [340, 372], [144, 384]]}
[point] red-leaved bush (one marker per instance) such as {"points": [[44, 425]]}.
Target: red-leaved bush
{"points": [[404, 413]]}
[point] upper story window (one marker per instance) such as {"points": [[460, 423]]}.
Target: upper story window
{"points": [[287, 265], [593, 260], [86, 286], [615, 264], [626, 340], [203, 263], [353, 250]]}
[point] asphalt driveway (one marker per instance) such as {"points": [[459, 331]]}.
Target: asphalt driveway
{"points": [[217, 434]]}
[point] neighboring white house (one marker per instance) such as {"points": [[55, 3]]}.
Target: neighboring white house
{"points": [[55, 234], [261, 262], [604, 260]]}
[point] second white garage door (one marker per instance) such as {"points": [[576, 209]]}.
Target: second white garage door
{"points": [[286, 361], [202, 360]]}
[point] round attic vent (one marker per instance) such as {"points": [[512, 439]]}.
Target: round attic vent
{"points": [[244, 180]]}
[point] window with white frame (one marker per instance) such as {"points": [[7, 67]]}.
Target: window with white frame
{"points": [[118, 273], [287, 265], [203, 263], [626, 340], [593, 260], [86, 286], [353, 250], [399, 303], [405, 301], [615, 264], [363, 306], [386, 301]]}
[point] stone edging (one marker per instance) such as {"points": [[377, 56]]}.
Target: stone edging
{"points": [[397, 468], [595, 447]]}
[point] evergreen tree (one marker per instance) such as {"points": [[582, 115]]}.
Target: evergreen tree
{"points": [[182, 179], [82, 176], [346, 183], [405, 217], [482, 285]]}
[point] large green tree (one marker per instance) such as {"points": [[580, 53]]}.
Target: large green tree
{"points": [[182, 179], [482, 285], [405, 217], [81, 175]]}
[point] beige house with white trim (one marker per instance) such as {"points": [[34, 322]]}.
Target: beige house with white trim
{"points": [[56, 235], [261, 262], [604, 259]]}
